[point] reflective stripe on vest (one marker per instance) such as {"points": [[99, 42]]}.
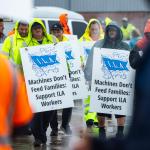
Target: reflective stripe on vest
{"points": [[13, 95], [4, 140]]}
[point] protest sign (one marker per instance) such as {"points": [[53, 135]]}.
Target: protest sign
{"points": [[85, 50], [46, 77], [72, 52], [112, 82]]}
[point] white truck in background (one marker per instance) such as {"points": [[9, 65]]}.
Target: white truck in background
{"points": [[50, 16]]}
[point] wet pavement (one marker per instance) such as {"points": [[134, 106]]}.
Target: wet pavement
{"points": [[65, 142], [61, 142]]}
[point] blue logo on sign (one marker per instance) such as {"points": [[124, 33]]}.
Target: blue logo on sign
{"points": [[114, 68], [87, 50], [45, 60], [69, 55], [113, 64], [44, 64]]}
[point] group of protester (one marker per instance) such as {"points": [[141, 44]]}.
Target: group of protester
{"points": [[33, 34], [139, 59], [111, 37]]}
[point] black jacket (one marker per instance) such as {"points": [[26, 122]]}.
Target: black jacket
{"points": [[135, 57]]}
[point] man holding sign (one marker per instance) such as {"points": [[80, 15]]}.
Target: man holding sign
{"points": [[39, 36], [112, 40], [57, 30]]}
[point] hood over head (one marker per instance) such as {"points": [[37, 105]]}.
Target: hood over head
{"points": [[119, 36], [87, 30], [17, 25], [107, 21], [37, 23]]}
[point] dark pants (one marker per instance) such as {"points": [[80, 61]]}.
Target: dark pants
{"points": [[54, 121], [39, 125], [66, 117]]}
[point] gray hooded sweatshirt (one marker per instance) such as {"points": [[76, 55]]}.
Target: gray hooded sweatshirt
{"points": [[105, 43]]}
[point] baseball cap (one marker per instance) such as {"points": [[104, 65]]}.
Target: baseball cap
{"points": [[56, 26]]}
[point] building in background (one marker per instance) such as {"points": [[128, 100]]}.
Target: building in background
{"points": [[137, 11]]}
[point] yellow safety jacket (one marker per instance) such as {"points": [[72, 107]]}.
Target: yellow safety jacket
{"points": [[127, 32], [86, 35], [12, 44], [48, 38]]}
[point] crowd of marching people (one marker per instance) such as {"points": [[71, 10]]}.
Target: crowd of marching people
{"points": [[107, 34]]}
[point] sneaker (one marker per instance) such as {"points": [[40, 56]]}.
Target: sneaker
{"points": [[67, 130], [54, 133], [38, 143]]}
